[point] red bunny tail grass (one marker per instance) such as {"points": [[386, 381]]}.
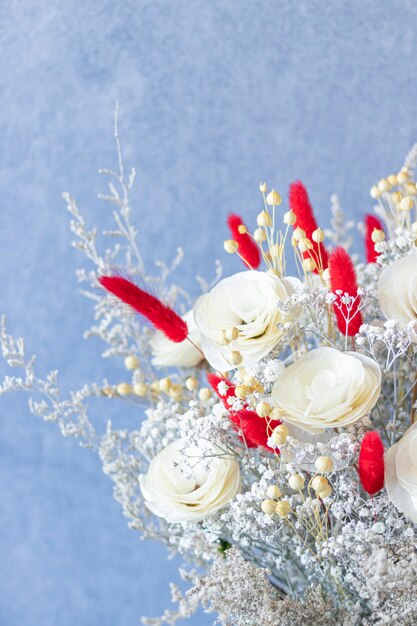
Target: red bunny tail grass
{"points": [[214, 381], [371, 223], [161, 316], [300, 204], [343, 281], [371, 463], [247, 248], [254, 429]]}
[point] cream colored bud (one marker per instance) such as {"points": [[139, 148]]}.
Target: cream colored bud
{"points": [[204, 394], [392, 179], [241, 392], [230, 246], [273, 198], [406, 204], [242, 230], [283, 508], [326, 275], [396, 197], [165, 384], [263, 409], [268, 507], [296, 482], [276, 413], [259, 235], [319, 483], [131, 362], [279, 435], [264, 219], [309, 265], [377, 235], [262, 187], [411, 189], [124, 389], [140, 389], [231, 333], [236, 357], [222, 340], [108, 392], [276, 251], [402, 177], [318, 235], [299, 233], [289, 218], [384, 185], [375, 193], [324, 493], [191, 383], [175, 392], [273, 492], [155, 388], [324, 464], [304, 245]]}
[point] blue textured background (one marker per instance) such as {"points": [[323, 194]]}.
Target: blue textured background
{"points": [[214, 97]]}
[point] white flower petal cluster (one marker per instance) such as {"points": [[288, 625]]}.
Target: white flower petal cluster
{"points": [[250, 302], [326, 388], [194, 494], [397, 290], [401, 473], [166, 353]]}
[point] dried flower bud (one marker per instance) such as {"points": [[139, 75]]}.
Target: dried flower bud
{"points": [[396, 197], [289, 218], [296, 482], [283, 508], [276, 414], [318, 235], [263, 409], [402, 177], [377, 235], [230, 246], [124, 389], [131, 362], [175, 392], [165, 384], [231, 334], [392, 179], [319, 483], [236, 357], [191, 383], [406, 204], [155, 387], [299, 233], [264, 219], [309, 265], [259, 235], [273, 492], [375, 193], [384, 185], [262, 187], [268, 507], [324, 464], [273, 198], [204, 394], [140, 389], [279, 435], [326, 275], [304, 245], [411, 189], [241, 392], [324, 493]]}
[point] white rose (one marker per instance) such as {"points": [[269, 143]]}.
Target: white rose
{"points": [[166, 353], [173, 494], [326, 388], [401, 473], [249, 301], [397, 290]]}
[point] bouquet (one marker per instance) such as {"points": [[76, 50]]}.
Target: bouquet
{"points": [[275, 446]]}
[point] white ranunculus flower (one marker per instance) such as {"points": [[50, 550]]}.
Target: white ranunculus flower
{"points": [[401, 473], [250, 301], [326, 388], [173, 494], [397, 290], [166, 353]]}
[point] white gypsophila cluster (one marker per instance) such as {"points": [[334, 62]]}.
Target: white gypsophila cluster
{"points": [[281, 516]]}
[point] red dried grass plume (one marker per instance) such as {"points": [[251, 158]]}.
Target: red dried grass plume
{"points": [[300, 204], [255, 429], [161, 316], [371, 462], [371, 223], [247, 248], [343, 279]]}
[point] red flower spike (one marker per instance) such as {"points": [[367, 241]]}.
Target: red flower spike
{"points": [[161, 316], [255, 429], [343, 278], [247, 248], [300, 204], [371, 462], [371, 222]]}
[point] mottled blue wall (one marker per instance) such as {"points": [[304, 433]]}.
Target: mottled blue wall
{"points": [[214, 96]]}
